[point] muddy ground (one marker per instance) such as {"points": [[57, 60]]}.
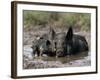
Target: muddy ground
{"points": [[34, 62]]}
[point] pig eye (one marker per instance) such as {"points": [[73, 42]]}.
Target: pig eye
{"points": [[55, 43], [48, 42]]}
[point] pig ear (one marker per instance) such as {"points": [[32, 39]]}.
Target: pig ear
{"points": [[52, 34], [69, 34]]}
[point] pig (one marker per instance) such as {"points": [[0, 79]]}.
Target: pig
{"points": [[42, 46], [70, 43], [60, 44]]}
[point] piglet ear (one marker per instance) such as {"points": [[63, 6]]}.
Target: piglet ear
{"points": [[69, 34]]}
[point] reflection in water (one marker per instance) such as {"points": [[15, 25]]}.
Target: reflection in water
{"points": [[73, 57], [34, 62], [66, 59]]}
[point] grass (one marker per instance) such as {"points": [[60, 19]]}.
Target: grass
{"points": [[33, 19]]}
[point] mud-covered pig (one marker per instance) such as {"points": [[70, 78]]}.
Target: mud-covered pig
{"points": [[60, 44], [69, 43], [42, 46]]}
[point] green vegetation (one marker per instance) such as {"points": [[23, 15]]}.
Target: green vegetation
{"points": [[33, 19]]}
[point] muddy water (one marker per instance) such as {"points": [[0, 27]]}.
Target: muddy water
{"points": [[34, 62], [68, 58]]}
